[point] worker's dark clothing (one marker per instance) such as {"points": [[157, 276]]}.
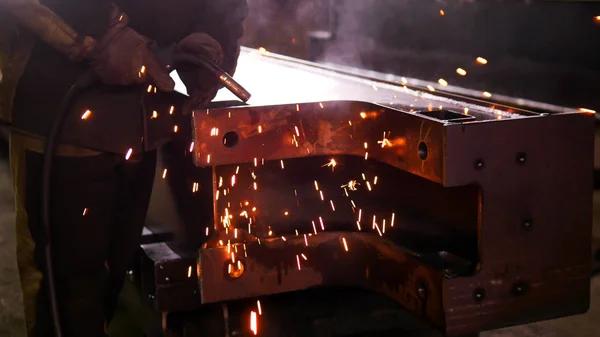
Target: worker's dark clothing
{"points": [[92, 173], [99, 205]]}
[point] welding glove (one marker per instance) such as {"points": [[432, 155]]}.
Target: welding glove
{"points": [[202, 85], [124, 57]]}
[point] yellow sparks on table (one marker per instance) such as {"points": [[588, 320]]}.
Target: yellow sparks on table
{"points": [[385, 142]]}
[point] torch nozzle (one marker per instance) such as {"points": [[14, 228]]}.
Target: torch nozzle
{"points": [[226, 80]]}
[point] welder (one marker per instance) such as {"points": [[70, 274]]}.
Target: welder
{"points": [[103, 171]]}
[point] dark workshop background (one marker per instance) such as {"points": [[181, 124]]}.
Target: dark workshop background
{"points": [[540, 50]]}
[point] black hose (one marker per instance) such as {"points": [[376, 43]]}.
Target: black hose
{"points": [[82, 83]]}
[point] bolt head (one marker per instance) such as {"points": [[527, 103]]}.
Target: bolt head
{"points": [[479, 294]]}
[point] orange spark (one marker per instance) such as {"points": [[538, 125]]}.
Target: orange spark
{"points": [[481, 60], [86, 115], [129, 153], [351, 185], [585, 110], [253, 323], [461, 71], [332, 163]]}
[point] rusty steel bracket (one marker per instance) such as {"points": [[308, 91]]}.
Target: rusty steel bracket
{"points": [[454, 211], [329, 259]]}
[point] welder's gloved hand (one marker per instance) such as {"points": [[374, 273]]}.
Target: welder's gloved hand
{"points": [[124, 57], [202, 85]]}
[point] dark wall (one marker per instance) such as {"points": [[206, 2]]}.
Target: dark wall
{"points": [[546, 51]]}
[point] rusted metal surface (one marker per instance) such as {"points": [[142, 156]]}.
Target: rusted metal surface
{"points": [[276, 266], [471, 218], [318, 129]]}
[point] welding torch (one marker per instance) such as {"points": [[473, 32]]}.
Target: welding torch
{"points": [[224, 78]]}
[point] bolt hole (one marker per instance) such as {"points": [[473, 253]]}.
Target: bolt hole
{"points": [[479, 164], [230, 139], [423, 151]]}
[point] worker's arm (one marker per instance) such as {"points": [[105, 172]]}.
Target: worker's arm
{"points": [[121, 57], [49, 27]]}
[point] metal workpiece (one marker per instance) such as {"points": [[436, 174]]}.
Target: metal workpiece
{"points": [[328, 259], [470, 215]]}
